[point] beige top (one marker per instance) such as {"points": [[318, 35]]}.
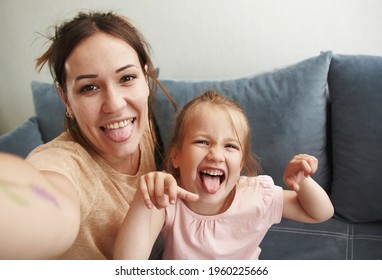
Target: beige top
{"points": [[105, 193]]}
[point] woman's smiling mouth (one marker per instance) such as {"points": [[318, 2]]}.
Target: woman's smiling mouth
{"points": [[119, 131]]}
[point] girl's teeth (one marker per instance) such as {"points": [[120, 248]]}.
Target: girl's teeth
{"points": [[213, 172]]}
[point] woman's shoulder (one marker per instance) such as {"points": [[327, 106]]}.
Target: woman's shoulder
{"points": [[61, 153], [63, 143]]}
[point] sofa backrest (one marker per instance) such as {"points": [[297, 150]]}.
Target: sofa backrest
{"points": [[355, 83], [49, 109], [287, 109]]}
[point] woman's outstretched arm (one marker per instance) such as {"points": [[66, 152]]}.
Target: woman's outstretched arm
{"points": [[39, 211]]}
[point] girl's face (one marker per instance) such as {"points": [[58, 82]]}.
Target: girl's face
{"points": [[209, 159], [107, 93]]}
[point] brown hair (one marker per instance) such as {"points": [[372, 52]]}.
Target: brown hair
{"points": [[70, 33], [239, 119]]}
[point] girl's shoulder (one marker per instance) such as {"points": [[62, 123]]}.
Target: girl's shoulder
{"points": [[262, 185], [260, 181], [259, 189]]}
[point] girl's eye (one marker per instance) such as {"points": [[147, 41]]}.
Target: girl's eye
{"points": [[88, 88], [202, 142], [232, 146]]}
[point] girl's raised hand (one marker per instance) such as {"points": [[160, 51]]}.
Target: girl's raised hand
{"points": [[161, 189], [298, 169]]}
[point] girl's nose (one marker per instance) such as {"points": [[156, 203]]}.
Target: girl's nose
{"points": [[216, 154], [113, 100]]}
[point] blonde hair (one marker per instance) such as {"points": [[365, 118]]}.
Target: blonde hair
{"points": [[239, 120]]}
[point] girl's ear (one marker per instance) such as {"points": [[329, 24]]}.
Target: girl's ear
{"points": [[174, 158]]}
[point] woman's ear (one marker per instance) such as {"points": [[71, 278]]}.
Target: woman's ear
{"points": [[64, 98], [61, 92], [147, 78], [174, 158], [146, 74]]}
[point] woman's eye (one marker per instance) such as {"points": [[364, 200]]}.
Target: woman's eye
{"points": [[127, 78], [88, 88]]}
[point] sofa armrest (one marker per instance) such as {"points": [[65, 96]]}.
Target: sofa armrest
{"points": [[23, 139]]}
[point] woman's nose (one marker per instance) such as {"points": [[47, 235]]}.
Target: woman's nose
{"points": [[113, 100]]}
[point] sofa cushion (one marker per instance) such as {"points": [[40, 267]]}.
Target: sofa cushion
{"points": [[330, 240], [286, 108], [355, 83], [21, 140], [49, 108]]}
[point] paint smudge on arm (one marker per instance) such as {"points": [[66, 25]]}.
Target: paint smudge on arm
{"points": [[12, 196], [44, 194], [6, 188]]}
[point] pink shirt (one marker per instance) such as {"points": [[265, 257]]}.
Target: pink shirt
{"points": [[234, 234]]}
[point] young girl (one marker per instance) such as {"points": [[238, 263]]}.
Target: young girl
{"points": [[221, 214]]}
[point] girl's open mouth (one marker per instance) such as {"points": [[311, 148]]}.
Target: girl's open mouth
{"points": [[211, 179]]}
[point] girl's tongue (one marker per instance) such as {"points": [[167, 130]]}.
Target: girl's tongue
{"points": [[210, 183]]}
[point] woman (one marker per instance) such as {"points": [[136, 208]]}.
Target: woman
{"points": [[69, 197]]}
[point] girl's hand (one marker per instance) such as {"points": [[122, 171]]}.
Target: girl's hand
{"points": [[298, 169], [161, 189]]}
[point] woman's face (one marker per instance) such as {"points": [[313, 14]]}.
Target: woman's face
{"points": [[107, 93]]}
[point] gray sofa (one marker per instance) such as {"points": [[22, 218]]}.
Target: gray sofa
{"points": [[329, 106]]}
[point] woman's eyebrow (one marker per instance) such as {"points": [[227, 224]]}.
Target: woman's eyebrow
{"points": [[125, 67], [88, 76], [93, 76]]}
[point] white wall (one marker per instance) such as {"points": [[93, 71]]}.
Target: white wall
{"points": [[191, 39]]}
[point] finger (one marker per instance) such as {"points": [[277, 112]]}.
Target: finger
{"points": [[186, 195], [300, 163], [313, 164], [160, 197], [292, 184], [311, 161], [172, 190], [145, 193], [306, 168]]}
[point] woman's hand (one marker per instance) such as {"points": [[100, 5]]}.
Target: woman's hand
{"points": [[161, 189]]}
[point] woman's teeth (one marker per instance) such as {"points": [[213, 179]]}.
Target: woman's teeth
{"points": [[119, 124]]}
